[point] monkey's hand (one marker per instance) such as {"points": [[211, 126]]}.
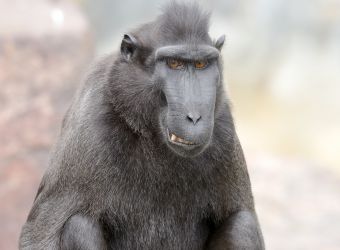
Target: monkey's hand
{"points": [[240, 231]]}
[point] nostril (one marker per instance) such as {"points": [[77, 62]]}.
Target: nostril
{"points": [[194, 117]]}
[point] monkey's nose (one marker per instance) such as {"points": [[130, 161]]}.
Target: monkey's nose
{"points": [[194, 117]]}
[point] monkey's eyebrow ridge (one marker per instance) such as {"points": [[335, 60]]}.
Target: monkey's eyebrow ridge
{"points": [[187, 52]]}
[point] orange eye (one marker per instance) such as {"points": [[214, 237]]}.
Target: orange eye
{"points": [[201, 64], [175, 64]]}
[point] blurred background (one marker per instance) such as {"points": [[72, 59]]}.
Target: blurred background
{"points": [[282, 71]]}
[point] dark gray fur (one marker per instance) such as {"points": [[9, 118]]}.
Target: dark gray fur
{"points": [[113, 183]]}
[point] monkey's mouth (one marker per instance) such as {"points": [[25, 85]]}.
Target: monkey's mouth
{"points": [[178, 140]]}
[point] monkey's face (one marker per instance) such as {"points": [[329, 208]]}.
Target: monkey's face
{"points": [[189, 78]]}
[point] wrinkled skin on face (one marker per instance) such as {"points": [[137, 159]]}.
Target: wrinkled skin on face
{"points": [[189, 77]]}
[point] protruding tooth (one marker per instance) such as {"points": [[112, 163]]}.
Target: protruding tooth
{"points": [[173, 137], [187, 142]]}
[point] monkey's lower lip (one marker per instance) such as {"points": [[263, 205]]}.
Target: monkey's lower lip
{"points": [[178, 140]]}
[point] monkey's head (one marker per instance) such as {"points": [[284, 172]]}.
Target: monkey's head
{"points": [[184, 64]]}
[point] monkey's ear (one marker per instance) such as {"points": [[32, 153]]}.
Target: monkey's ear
{"points": [[219, 43], [128, 46]]}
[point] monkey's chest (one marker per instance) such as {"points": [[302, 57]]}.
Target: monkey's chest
{"points": [[163, 207], [148, 230], [163, 221]]}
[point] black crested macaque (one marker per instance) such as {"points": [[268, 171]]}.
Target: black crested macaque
{"points": [[148, 157]]}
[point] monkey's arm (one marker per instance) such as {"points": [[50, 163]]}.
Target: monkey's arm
{"points": [[240, 230], [83, 233]]}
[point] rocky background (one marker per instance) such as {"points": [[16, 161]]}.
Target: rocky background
{"points": [[40, 63], [45, 46]]}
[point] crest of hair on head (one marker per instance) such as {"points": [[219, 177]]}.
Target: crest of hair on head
{"points": [[184, 22]]}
